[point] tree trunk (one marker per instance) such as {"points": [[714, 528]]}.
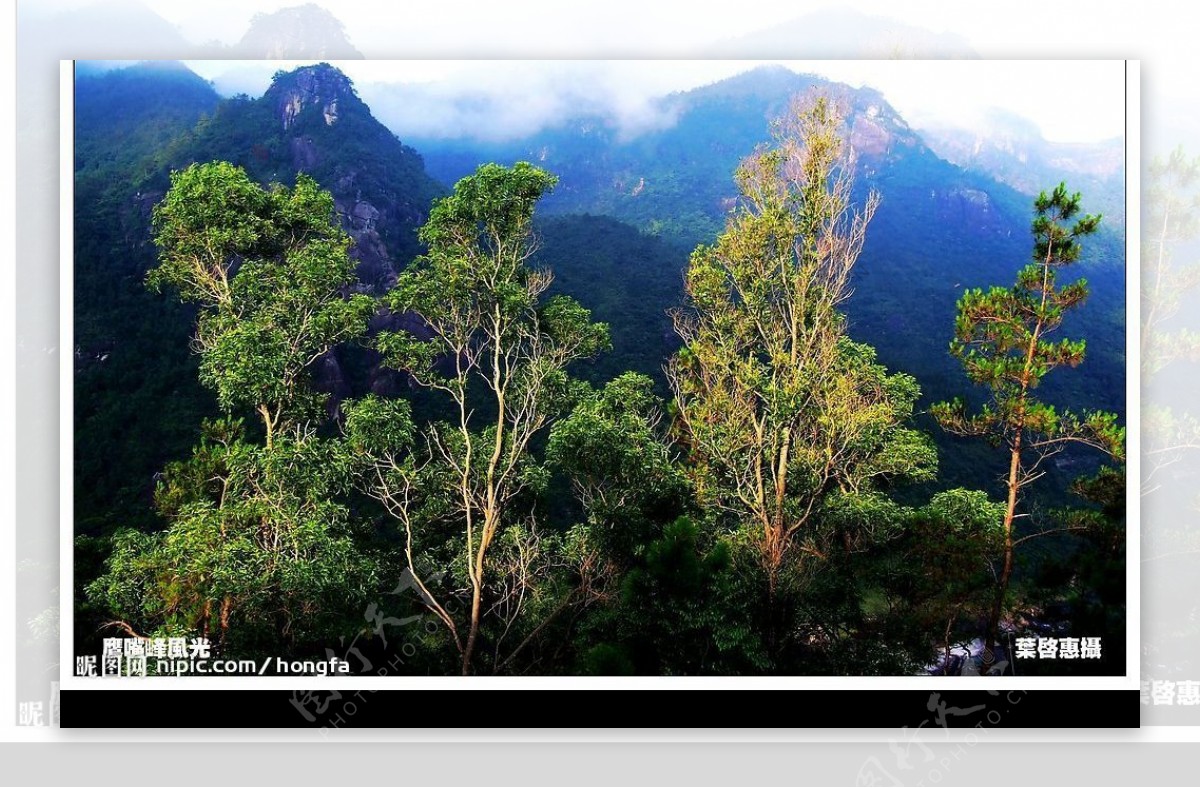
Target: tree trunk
{"points": [[485, 538], [946, 641], [473, 632], [226, 609], [491, 517], [772, 615], [205, 615], [993, 630], [268, 423]]}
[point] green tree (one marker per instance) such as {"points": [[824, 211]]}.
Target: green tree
{"points": [[672, 613], [1099, 573], [1002, 339], [258, 550], [791, 427], [257, 540], [669, 614], [270, 270], [488, 341], [1170, 427], [614, 450], [945, 572], [1172, 220]]}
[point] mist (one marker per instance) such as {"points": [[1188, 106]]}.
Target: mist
{"points": [[515, 100], [498, 100], [505, 99]]}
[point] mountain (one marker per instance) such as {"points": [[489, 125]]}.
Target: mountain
{"points": [[627, 278], [112, 30], [133, 126], [108, 30], [127, 353], [677, 181], [295, 33], [617, 232], [1012, 150], [311, 120], [127, 115], [940, 228]]}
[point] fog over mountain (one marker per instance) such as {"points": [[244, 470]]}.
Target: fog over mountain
{"points": [[491, 100], [1014, 151]]}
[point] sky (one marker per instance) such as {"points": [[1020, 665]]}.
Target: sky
{"points": [[1158, 34], [417, 97], [1015, 28], [1071, 101]]}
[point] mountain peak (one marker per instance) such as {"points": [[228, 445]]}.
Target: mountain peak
{"points": [[302, 31], [322, 86], [765, 80]]}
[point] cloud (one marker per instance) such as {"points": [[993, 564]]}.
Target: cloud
{"points": [[515, 99], [502, 99], [495, 100]]}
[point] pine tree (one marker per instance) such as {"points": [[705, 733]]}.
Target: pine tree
{"points": [[1002, 338]]}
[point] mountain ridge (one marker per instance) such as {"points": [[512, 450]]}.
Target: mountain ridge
{"points": [[1014, 151], [940, 228]]}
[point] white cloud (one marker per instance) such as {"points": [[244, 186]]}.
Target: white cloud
{"points": [[1071, 101]]}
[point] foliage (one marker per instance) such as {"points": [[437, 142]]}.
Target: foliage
{"points": [[126, 117], [133, 126], [257, 544], [1170, 427], [500, 353], [269, 269], [613, 449], [541, 501], [1001, 339], [130, 348], [629, 279], [945, 569], [787, 421], [356, 157], [257, 550], [938, 229], [676, 614], [1172, 221]]}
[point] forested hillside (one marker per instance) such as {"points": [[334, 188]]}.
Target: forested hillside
{"points": [[939, 230], [676, 402]]}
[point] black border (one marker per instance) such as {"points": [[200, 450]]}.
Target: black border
{"points": [[327, 708]]}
